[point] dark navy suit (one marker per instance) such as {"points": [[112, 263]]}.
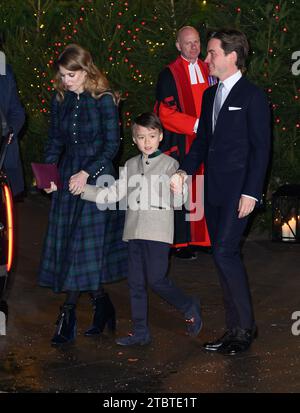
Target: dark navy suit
{"points": [[235, 156], [15, 116]]}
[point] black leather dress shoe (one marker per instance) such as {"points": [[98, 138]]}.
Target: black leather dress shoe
{"points": [[220, 342], [185, 254], [230, 337], [239, 342]]}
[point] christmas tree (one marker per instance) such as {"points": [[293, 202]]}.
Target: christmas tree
{"points": [[29, 29], [130, 41]]}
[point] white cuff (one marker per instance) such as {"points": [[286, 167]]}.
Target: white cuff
{"points": [[248, 196], [196, 125]]}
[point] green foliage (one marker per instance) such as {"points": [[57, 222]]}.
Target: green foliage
{"points": [[130, 41], [30, 28]]}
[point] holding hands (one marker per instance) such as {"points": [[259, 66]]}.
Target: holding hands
{"points": [[177, 181], [77, 182]]}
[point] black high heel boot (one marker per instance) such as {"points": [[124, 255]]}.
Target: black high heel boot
{"points": [[66, 325], [104, 314]]}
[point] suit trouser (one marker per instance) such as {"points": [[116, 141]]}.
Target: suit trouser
{"points": [[226, 231], [148, 264]]}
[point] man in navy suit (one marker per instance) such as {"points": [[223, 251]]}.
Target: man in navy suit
{"points": [[13, 112], [233, 140]]}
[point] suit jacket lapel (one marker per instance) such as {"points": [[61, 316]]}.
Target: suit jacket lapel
{"points": [[210, 105], [236, 90]]}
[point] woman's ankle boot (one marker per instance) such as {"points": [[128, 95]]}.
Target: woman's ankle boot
{"points": [[104, 314], [66, 325]]}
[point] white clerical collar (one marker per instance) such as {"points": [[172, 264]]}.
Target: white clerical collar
{"points": [[195, 72], [232, 80]]}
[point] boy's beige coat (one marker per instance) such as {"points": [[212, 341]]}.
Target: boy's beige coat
{"points": [[149, 214]]}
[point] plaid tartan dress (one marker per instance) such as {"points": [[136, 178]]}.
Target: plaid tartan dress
{"points": [[83, 247]]}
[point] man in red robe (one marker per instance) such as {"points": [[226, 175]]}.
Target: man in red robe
{"points": [[179, 92]]}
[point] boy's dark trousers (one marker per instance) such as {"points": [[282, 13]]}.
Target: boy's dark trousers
{"points": [[148, 264]]}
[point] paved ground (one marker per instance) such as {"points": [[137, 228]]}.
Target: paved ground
{"points": [[173, 362]]}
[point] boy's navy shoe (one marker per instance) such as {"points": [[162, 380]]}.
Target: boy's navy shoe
{"points": [[193, 320], [133, 339]]}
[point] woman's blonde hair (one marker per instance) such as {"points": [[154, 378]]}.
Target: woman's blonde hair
{"points": [[75, 57]]}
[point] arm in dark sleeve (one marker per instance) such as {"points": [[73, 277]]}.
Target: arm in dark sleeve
{"points": [[199, 148], [54, 144], [102, 159], [15, 113], [259, 138]]}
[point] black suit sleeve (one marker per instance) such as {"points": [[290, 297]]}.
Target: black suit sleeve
{"points": [[198, 151], [259, 134]]}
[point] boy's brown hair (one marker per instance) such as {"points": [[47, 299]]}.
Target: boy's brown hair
{"points": [[149, 120]]}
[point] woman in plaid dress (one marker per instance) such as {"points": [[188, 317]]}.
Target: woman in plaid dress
{"points": [[83, 247]]}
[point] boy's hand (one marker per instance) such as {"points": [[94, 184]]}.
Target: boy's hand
{"points": [[177, 181], [77, 182], [52, 188]]}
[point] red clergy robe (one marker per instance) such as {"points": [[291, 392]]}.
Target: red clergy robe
{"points": [[179, 106]]}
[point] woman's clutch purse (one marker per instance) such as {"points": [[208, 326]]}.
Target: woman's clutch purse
{"points": [[45, 173]]}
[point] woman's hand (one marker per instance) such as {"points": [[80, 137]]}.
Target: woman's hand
{"points": [[52, 188], [77, 182]]}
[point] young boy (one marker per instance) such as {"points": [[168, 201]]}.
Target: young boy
{"points": [[149, 228]]}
